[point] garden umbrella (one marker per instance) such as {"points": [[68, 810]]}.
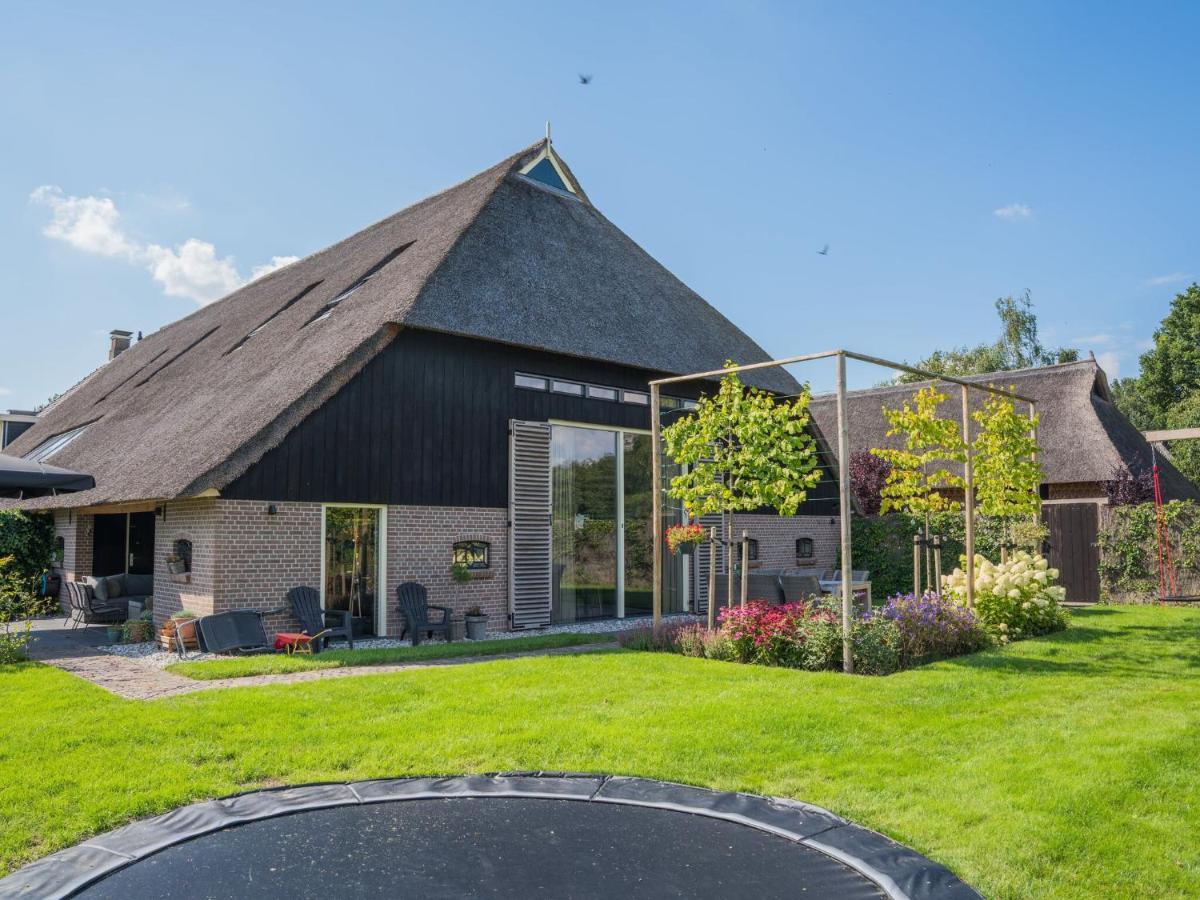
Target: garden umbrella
{"points": [[21, 478]]}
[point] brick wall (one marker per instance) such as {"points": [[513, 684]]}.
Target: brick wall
{"points": [[420, 548], [75, 529], [195, 521], [776, 536]]}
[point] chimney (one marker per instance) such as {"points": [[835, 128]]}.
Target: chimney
{"points": [[118, 343]]}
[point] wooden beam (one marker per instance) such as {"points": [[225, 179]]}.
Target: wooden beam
{"points": [[843, 440], [1171, 434], [968, 498], [656, 504]]}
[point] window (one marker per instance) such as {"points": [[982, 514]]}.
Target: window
{"points": [[532, 382], [269, 319], [601, 393], [804, 548], [546, 172], [567, 387], [472, 554], [46, 449], [327, 310], [170, 362], [181, 550], [753, 545], [635, 397]]}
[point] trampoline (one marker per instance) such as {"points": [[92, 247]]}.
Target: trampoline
{"points": [[521, 835]]}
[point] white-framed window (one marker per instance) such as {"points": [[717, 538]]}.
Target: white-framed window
{"points": [[574, 388], [638, 398], [596, 392], [530, 382]]}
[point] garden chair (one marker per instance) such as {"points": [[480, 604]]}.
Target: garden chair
{"points": [[415, 606], [87, 610], [760, 586], [237, 631], [320, 624], [799, 588]]}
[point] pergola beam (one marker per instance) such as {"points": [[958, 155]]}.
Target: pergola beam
{"points": [[1171, 434]]}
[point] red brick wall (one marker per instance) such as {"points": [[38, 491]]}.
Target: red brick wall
{"points": [[195, 521], [76, 531], [776, 536]]}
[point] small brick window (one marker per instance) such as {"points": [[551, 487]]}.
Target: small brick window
{"points": [[804, 548], [60, 550], [180, 560], [473, 554], [753, 545]]}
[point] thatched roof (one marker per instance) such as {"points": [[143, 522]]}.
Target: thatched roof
{"points": [[498, 257], [1082, 433]]}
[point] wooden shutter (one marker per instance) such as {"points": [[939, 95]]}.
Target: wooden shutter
{"points": [[701, 562], [529, 529]]}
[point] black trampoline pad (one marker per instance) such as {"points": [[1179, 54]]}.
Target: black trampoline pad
{"points": [[492, 846]]}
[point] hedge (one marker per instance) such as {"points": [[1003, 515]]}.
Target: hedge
{"points": [[27, 547], [1128, 543]]}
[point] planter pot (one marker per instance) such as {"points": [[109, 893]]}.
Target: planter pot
{"points": [[187, 631], [686, 549], [114, 635], [476, 627], [139, 632]]}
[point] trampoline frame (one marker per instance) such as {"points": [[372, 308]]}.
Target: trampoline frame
{"points": [[901, 873]]}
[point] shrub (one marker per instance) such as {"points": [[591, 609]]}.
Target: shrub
{"points": [[875, 646], [14, 639], [664, 639], [1015, 599], [931, 627], [27, 543], [773, 635]]}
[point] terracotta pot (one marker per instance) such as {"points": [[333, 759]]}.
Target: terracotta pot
{"points": [[187, 631]]}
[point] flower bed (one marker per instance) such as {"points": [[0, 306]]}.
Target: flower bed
{"points": [[932, 627]]}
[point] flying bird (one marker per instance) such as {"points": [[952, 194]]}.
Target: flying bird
{"points": [[585, 79], [824, 251]]}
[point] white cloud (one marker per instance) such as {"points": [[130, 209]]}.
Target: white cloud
{"points": [[4, 392], [1173, 278], [191, 269], [1013, 212]]}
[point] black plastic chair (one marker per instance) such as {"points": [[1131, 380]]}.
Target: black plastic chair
{"points": [[237, 631], [330, 623], [414, 605]]}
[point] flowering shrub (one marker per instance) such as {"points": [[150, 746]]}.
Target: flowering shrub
{"points": [[931, 627], [678, 535], [663, 640], [703, 643], [1015, 599]]}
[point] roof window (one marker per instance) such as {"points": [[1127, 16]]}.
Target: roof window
{"points": [[267, 321], [46, 449], [327, 310]]}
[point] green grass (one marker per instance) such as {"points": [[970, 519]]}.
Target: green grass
{"points": [[279, 663], [1062, 767]]}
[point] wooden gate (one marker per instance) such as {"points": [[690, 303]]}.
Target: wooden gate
{"points": [[1071, 547]]}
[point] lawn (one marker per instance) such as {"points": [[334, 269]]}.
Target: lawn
{"points": [[1060, 767], [279, 663]]}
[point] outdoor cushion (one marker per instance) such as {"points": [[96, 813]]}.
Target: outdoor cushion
{"points": [[116, 586], [139, 585], [99, 586]]}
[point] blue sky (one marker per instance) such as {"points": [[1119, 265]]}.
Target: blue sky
{"points": [[948, 153]]}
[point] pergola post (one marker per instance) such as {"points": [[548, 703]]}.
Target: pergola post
{"points": [[713, 546], [843, 455], [969, 497], [1037, 516], [745, 566], [656, 505]]}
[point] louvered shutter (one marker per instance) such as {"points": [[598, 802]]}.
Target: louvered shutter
{"points": [[703, 551], [529, 514]]}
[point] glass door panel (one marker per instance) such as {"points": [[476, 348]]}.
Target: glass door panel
{"points": [[638, 535], [352, 563], [583, 465]]}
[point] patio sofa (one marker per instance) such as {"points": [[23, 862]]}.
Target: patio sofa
{"points": [[121, 589]]}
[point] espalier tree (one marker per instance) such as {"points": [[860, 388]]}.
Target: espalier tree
{"points": [[742, 449], [919, 478], [1005, 463]]}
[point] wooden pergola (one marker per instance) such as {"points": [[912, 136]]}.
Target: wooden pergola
{"points": [[843, 452]]}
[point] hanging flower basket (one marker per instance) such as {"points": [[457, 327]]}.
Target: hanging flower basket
{"points": [[682, 538]]}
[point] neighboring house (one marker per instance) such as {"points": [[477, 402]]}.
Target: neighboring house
{"points": [[14, 423], [1082, 434], [464, 380]]}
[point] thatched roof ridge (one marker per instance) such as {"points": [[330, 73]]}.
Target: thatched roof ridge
{"points": [[497, 257], [1082, 433]]}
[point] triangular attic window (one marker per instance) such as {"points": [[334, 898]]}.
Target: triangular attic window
{"points": [[545, 173]]}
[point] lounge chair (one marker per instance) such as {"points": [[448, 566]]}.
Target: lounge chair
{"points": [[414, 604], [237, 631], [87, 610], [329, 623], [799, 587]]}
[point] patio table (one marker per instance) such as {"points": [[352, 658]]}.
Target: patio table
{"points": [[834, 586]]}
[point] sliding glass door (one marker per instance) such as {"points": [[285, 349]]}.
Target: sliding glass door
{"points": [[601, 538], [352, 563]]}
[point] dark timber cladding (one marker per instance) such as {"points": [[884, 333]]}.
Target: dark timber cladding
{"points": [[426, 423]]}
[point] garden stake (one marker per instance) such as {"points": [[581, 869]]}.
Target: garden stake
{"points": [[937, 564], [745, 565], [916, 565]]}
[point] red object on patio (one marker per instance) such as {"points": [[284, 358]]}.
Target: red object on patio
{"points": [[291, 641]]}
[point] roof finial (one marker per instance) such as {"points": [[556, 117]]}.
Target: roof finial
{"points": [[547, 132]]}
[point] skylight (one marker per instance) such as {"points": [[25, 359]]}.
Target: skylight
{"points": [[46, 449], [176, 357], [327, 310], [269, 319]]}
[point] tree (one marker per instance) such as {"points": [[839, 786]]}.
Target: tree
{"points": [[868, 475], [918, 479], [1126, 487], [742, 450], [1166, 393], [1018, 347], [1006, 472]]}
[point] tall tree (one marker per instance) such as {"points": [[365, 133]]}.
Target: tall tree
{"points": [[1166, 393], [1017, 347]]}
